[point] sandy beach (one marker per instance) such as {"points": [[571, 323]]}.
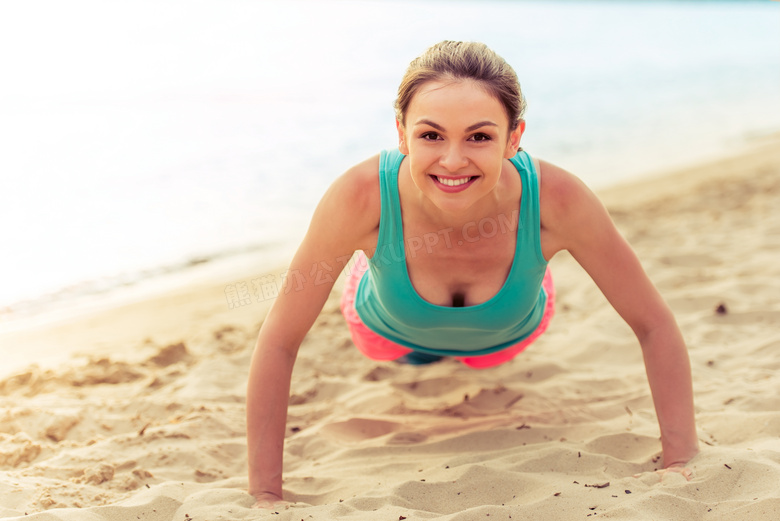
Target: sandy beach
{"points": [[136, 410]]}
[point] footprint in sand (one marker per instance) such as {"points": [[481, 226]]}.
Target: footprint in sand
{"points": [[429, 388], [170, 355], [624, 446], [692, 260], [379, 373], [358, 429]]}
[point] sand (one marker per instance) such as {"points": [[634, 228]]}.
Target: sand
{"points": [[136, 410]]}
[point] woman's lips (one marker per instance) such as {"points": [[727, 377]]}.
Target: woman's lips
{"points": [[453, 184]]}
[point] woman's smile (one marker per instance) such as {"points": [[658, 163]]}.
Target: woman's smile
{"points": [[452, 185]]}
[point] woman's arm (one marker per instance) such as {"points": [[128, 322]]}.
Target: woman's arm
{"points": [[344, 221], [574, 219]]}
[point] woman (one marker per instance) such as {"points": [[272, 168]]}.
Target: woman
{"points": [[459, 223]]}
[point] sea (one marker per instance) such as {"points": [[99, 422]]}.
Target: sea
{"points": [[141, 139]]}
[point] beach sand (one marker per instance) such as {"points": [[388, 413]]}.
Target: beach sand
{"points": [[136, 411]]}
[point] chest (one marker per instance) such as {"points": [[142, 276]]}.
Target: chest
{"points": [[464, 265]]}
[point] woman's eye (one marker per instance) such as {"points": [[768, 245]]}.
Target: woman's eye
{"points": [[480, 137], [430, 136]]}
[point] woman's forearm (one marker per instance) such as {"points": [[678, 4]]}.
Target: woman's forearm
{"points": [[268, 393], [669, 374]]}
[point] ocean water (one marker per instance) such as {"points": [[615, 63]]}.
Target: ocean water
{"points": [[139, 138]]}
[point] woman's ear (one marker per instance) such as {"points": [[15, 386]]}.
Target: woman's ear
{"points": [[402, 146], [513, 143]]}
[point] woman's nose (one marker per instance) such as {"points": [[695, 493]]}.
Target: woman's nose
{"points": [[453, 158]]}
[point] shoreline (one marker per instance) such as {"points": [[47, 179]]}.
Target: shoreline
{"points": [[80, 329], [109, 288], [676, 182]]}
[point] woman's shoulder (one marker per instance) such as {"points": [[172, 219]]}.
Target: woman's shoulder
{"points": [[569, 210], [351, 206], [560, 191], [358, 187], [366, 172]]}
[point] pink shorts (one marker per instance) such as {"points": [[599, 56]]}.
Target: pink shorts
{"points": [[377, 347]]}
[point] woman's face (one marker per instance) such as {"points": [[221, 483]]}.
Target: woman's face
{"points": [[457, 137]]}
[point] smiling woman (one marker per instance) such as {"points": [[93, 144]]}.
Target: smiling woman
{"points": [[458, 162], [450, 152]]}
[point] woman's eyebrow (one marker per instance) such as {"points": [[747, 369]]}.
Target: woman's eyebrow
{"points": [[438, 127], [430, 124], [475, 126]]}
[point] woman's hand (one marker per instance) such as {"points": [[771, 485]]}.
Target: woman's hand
{"points": [[269, 500], [670, 473], [575, 220], [674, 469], [346, 219]]}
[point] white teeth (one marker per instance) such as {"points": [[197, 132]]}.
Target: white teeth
{"points": [[453, 182]]}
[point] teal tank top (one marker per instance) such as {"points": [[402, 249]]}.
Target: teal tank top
{"points": [[388, 304]]}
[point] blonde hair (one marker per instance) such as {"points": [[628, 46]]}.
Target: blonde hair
{"points": [[463, 61]]}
